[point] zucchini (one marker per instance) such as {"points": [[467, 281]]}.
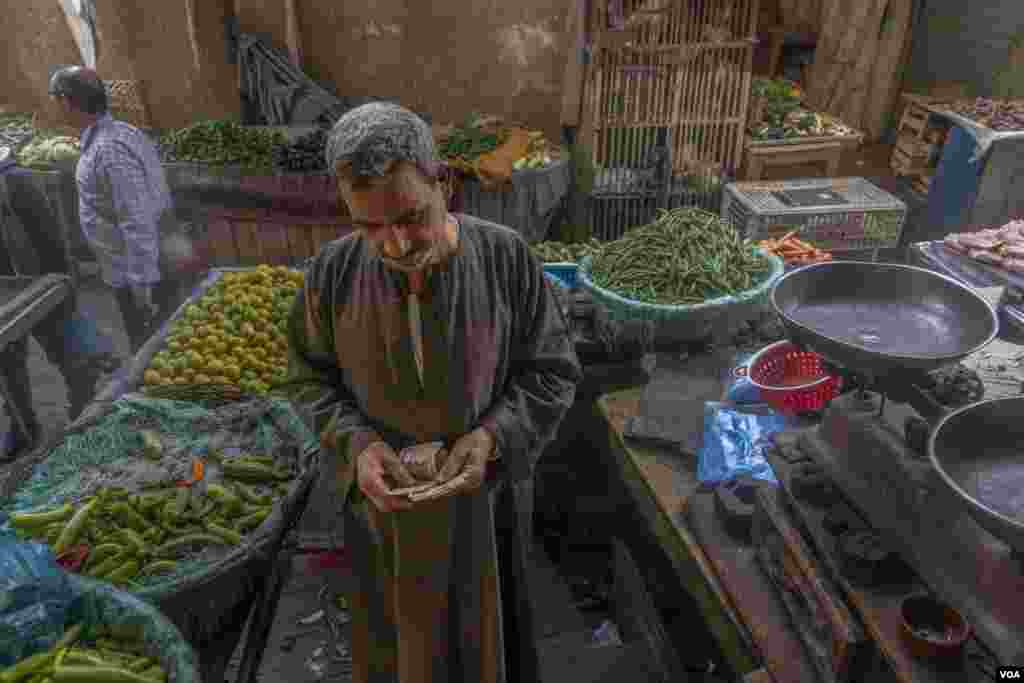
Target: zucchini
{"points": [[75, 527], [28, 666], [229, 536], [31, 520], [175, 548], [97, 674], [253, 472], [125, 573]]}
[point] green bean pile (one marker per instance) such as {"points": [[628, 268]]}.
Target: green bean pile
{"points": [[223, 143], [565, 252], [686, 256]]}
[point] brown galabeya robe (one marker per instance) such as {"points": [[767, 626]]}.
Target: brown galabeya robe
{"points": [[497, 353]]}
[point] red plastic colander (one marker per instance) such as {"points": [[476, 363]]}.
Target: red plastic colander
{"points": [[790, 379]]}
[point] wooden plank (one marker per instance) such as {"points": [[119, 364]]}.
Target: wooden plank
{"points": [[736, 566], [840, 77], [636, 614], [889, 66], [830, 632], [660, 484], [273, 241], [572, 79], [247, 242], [879, 608], [293, 33], [220, 240]]}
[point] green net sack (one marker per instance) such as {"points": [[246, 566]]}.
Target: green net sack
{"points": [[208, 585], [105, 613]]}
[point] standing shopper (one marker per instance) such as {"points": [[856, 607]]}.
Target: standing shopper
{"points": [[123, 200], [421, 327]]}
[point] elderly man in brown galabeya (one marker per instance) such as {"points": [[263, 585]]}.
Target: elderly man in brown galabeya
{"points": [[422, 327]]}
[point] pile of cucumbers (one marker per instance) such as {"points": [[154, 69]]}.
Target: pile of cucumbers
{"points": [[106, 658], [128, 535]]}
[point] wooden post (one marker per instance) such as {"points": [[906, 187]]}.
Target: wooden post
{"points": [[293, 33], [572, 88]]}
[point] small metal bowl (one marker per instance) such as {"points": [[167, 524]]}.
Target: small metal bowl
{"points": [[933, 629]]}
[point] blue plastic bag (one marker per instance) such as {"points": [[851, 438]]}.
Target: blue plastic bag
{"points": [[738, 387], [736, 438], [34, 598]]}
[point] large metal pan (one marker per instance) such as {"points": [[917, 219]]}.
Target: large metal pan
{"points": [[978, 452], [880, 318]]}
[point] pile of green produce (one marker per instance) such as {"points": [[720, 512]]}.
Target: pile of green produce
{"points": [[305, 155], [784, 117], [686, 256], [43, 152], [883, 226], [563, 252], [130, 536], [469, 141], [15, 129], [223, 143], [109, 656]]}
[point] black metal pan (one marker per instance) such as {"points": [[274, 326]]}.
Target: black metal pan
{"points": [[880, 318], [978, 452]]}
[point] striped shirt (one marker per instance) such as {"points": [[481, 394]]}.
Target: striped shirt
{"points": [[122, 194]]}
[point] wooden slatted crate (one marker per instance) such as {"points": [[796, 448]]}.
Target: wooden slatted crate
{"points": [[681, 72], [249, 237]]}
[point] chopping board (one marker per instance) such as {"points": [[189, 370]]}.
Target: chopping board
{"points": [[671, 410]]}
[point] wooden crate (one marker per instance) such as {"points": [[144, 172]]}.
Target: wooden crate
{"points": [[922, 184], [904, 164], [679, 75], [240, 237]]}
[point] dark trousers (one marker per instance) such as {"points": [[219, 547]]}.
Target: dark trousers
{"points": [[139, 324]]}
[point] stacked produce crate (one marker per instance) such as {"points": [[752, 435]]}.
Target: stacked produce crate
{"points": [[919, 142], [665, 105]]}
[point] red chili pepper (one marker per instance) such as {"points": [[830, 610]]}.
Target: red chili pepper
{"points": [[73, 559]]}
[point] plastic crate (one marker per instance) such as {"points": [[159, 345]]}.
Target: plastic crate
{"points": [[614, 208], [564, 273], [835, 214]]}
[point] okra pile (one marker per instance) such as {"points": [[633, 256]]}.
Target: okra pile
{"points": [[565, 252], [106, 659], [125, 536], [686, 256]]}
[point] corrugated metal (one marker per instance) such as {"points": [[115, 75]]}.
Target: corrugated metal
{"points": [[955, 44]]}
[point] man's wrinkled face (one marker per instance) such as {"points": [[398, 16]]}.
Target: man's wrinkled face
{"points": [[402, 215]]}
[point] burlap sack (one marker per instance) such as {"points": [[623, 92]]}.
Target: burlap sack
{"points": [[495, 168]]}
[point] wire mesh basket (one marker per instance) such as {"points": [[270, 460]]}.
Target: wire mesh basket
{"points": [[790, 379], [834, 214]]}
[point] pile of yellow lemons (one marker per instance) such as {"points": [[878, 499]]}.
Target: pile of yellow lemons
{"points": [[236, 334]]}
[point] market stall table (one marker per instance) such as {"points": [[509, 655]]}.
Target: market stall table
{"points": [[751, 629], [738, 601], [759, 157], [24, 302]]}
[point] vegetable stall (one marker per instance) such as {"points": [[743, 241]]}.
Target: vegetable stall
{"points": [[782, 131], [180, 481]]}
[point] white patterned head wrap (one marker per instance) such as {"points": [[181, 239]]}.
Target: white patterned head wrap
{"points": [[374, 135]]}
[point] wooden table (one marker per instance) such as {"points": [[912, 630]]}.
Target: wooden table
{"points": [[759, 157], [754, 638]]}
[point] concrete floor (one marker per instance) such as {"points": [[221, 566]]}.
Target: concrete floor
{"points": [[48, 388]]}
